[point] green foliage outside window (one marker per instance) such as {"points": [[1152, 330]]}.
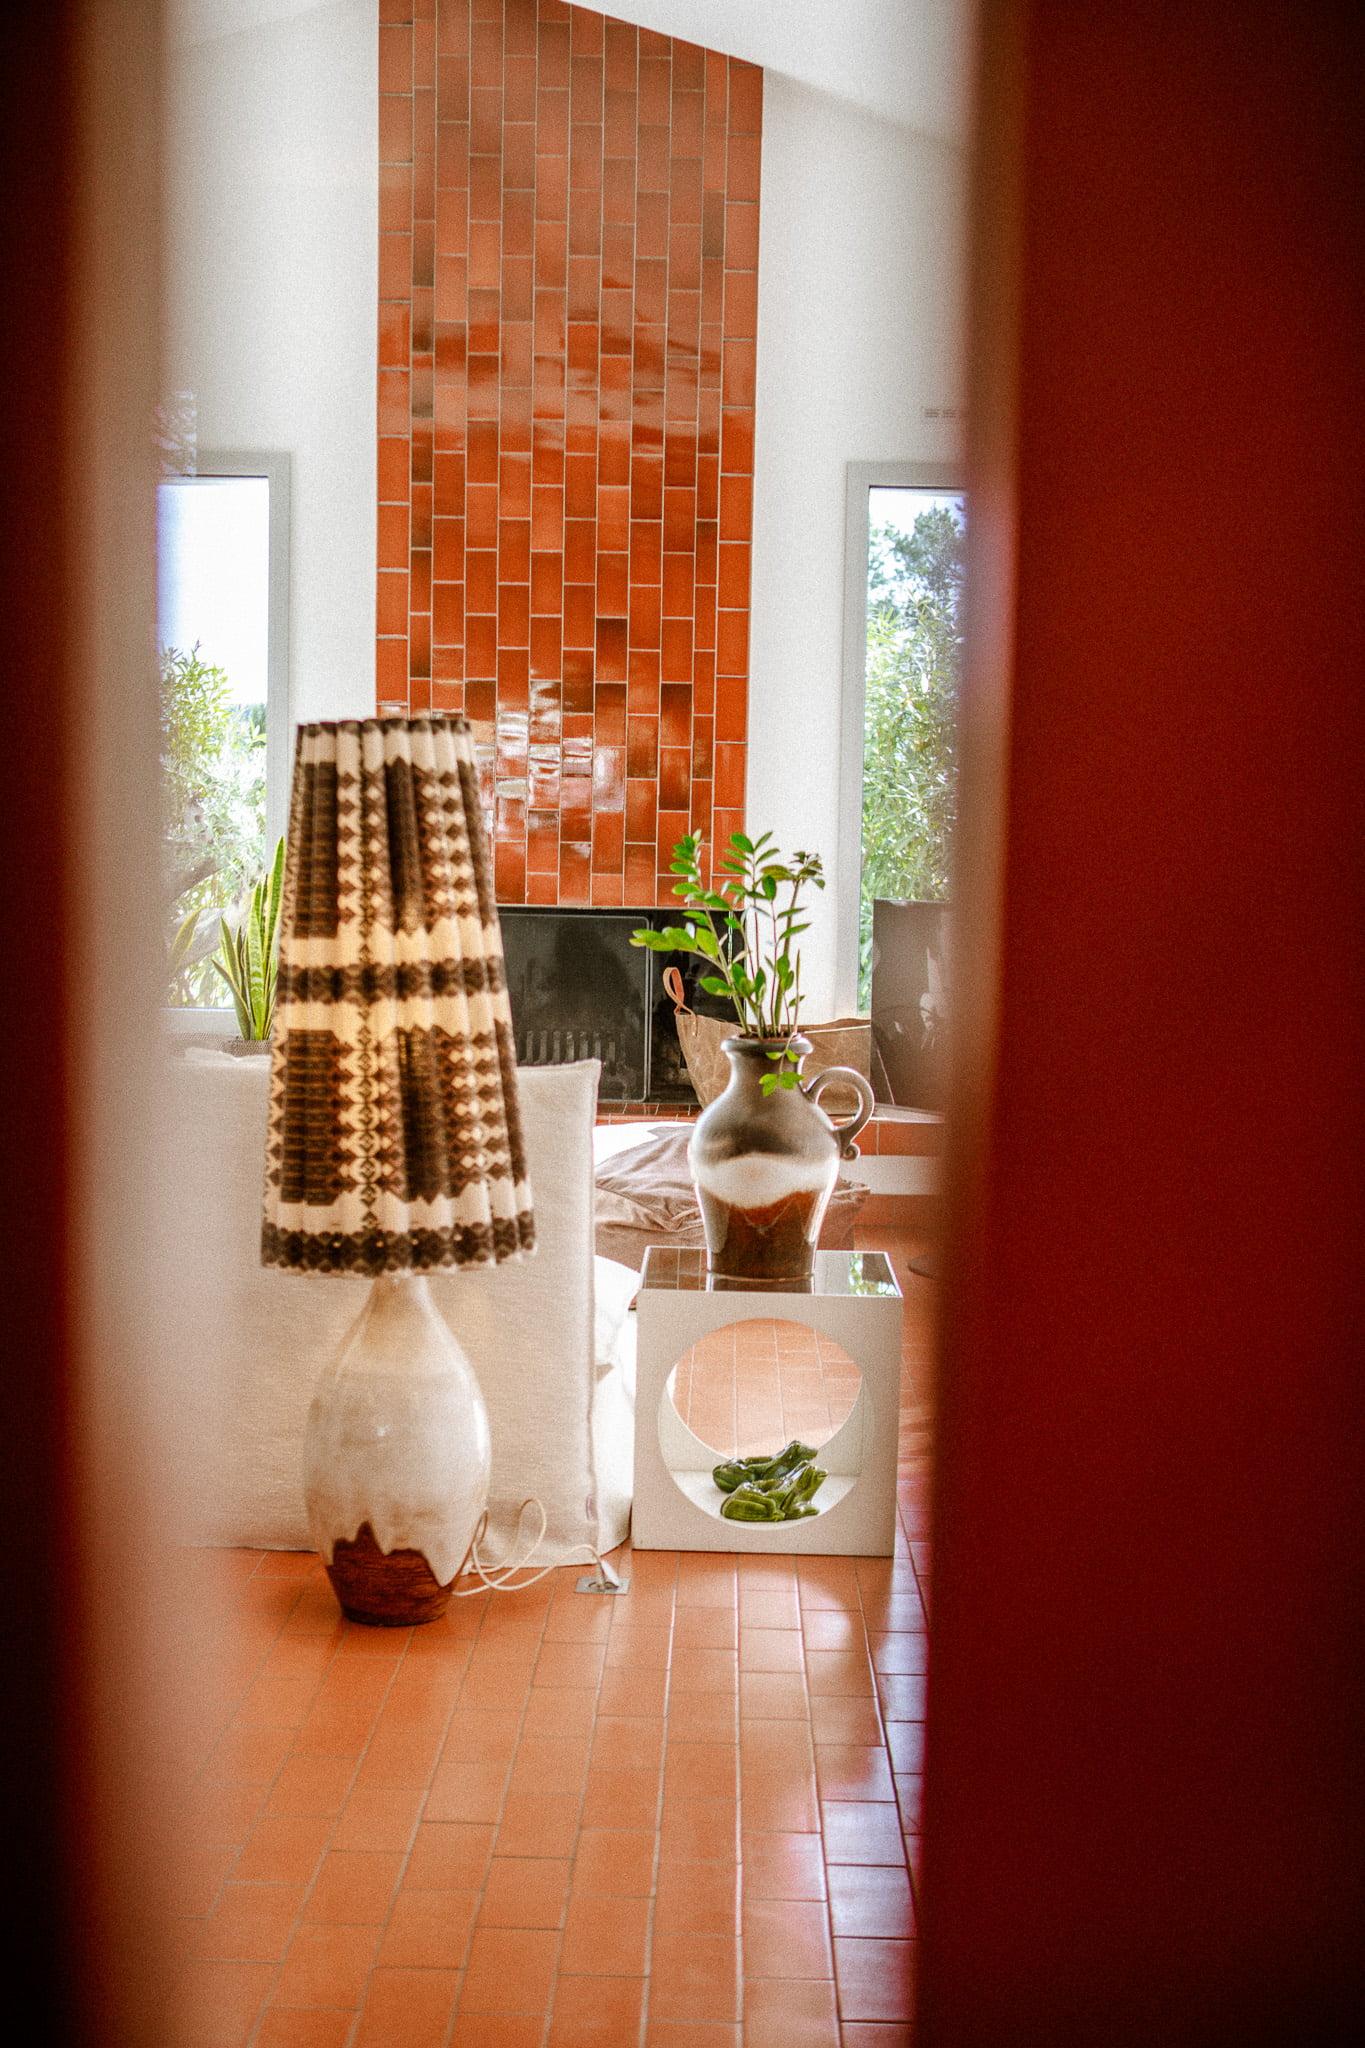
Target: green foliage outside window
{"points": [[213, 814], [914, 657]]}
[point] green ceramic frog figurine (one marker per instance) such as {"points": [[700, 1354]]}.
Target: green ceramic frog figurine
{"points": [[778, 1489]]}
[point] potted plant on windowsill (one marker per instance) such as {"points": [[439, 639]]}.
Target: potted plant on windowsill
{"points": [[764, 1156], [248, 959]]}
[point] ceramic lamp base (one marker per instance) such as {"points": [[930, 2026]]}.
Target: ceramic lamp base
{"points": [[393, 1589], [396, 1459]]}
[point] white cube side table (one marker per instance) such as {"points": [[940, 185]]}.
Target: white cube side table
{"points": [[855, 1300]]}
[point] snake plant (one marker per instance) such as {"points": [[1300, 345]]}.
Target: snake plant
{"points": [[248, 955]]}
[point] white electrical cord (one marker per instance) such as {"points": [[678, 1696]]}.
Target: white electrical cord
{"points": [[500, 1577]]}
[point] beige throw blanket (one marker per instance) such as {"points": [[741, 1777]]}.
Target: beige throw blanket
{"points": [[645, 1196]]}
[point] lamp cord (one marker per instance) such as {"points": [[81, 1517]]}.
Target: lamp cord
{"points": [[500, 1577]]}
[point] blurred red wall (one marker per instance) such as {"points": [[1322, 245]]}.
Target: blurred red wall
{"points": [[1141, 1767], [1140, 1764]]}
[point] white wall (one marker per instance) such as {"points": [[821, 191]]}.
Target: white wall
{"points": [[272, 201], [860, 292]]}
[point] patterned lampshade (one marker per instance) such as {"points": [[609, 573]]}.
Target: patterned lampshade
{"points": [[394, 1139]]}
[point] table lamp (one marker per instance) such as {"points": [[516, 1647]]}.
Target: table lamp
{"points": [[394, 1144]]}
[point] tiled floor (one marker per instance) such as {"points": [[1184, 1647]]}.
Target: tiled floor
{"points": [[684, 1818], [752, 1387]]}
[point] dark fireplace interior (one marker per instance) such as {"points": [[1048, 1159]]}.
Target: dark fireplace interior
{"points": [[579, 990]]}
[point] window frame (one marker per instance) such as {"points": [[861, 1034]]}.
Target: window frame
{"points": [[275, 469], [860, 480]]}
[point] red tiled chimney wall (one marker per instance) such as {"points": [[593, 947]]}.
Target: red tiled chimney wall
{"points": [[568, 293]]}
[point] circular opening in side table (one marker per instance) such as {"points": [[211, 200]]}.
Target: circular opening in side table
{"points": [[747, 1390], [725, 1370]]}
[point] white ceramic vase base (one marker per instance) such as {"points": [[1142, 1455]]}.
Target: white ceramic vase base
{"points": [[396, 1459]]}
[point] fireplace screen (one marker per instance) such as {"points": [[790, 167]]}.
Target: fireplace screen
{"points": [[580, 991]]}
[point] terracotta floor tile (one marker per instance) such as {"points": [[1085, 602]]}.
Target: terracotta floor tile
{"points": [[875, 1978], [579, 1618], [638, 1647], [786, 1938], [221, 2001], [845, 1717], [249, 1756], [770, 1649], [525, 1891], [703, 1717], [282, 2027], [570, 1664], [509, 1970], [450, 1856], [878, 2034], [497, 1688], [204, 1870], [696, 2034], [544, 1768], [782, 1866], [706, 1580], [312, 1784], [480, 1736], [852, 1771], [778, 1799], [838, 1671], [790, 2015], [694, 1976], [772, 1696], [537, 1824], [900, 1653], [378, 1818], [769, 1607], [695, 1829], [697, 1898], [413, 2007], [498, 2030], [354, 1888], [621, 1798], [705, 1628], [605, 1937], [251, 1923], [326, 1966], [832, 1628], [429, 1930], [615, 1862], [277, 1702], [336, 1728], [628, 1742], [901, 1696], [862, 1831], [628, 1690], [704, 1671], [285, 1848], [560, 1712], [701, 1770], [905, 1743], [463, 1791], [871, 1899], [597, 2012], [223, 1816]]}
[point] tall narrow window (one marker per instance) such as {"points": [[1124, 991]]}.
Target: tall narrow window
{"points": [[222, 596], [907, 535]]}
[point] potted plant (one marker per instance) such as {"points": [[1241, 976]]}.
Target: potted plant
{"points": [[248, 959], [764, 1156]]}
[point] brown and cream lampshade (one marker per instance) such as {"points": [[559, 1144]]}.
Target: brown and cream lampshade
{"points": [[394, 1145]]}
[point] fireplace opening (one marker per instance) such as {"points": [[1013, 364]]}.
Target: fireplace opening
{"points": [[579, 990]]}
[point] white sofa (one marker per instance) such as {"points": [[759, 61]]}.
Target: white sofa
{"points": [[549, 1336]]}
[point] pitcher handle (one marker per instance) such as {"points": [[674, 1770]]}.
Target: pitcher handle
{"points": [[849, 1129]]}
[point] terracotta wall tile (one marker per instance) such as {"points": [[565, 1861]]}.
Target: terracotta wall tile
{"points": [[568, 212]]}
